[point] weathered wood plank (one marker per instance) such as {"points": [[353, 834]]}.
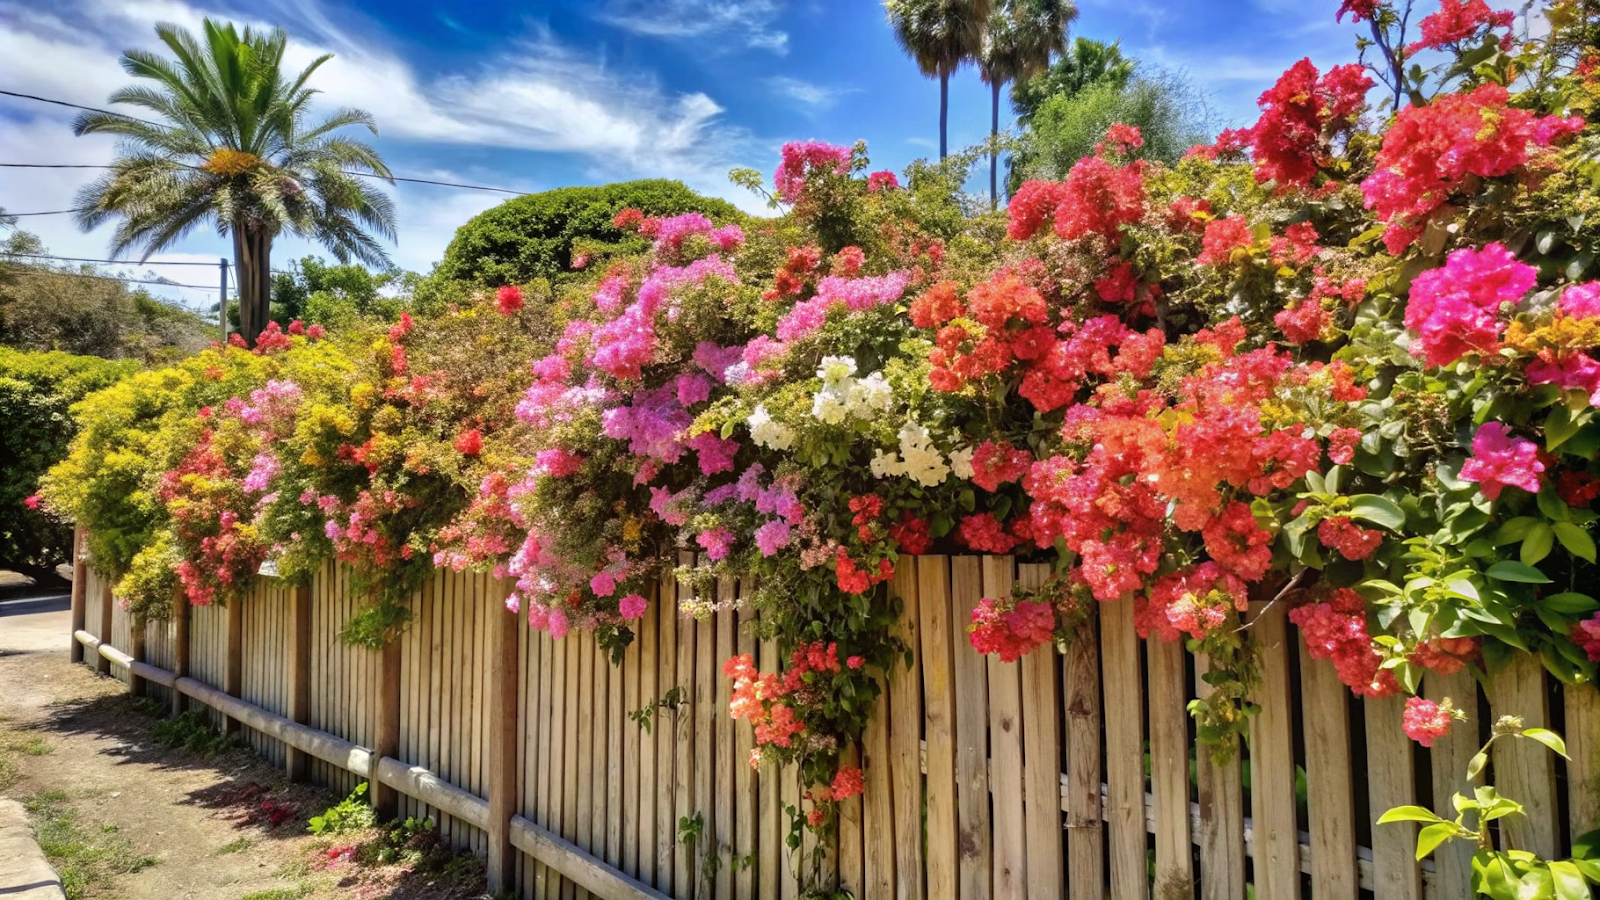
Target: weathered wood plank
{"points": [[1329, 789], [1080, 674], [1010, 842], [746, 799], [1583, 746], [1524, 769], [722, 761], [1222, 856], [938, 681], [1169, 769], [1391, 781], [1125, 821], [974, 843], [1276, 850]]}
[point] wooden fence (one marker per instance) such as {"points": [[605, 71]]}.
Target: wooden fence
{"points": [[1059, 776]]}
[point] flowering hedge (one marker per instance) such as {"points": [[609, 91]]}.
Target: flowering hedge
{"points": [[1343, 370]]}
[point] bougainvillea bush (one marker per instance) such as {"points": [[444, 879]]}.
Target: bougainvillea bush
{"points": [[1339, 362]]}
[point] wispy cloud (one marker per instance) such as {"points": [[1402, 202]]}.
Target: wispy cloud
{"points": [[748, 21], [810, 96]]}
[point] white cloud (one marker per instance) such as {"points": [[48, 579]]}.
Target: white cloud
{"points": [[811, 97], [748, 20]]}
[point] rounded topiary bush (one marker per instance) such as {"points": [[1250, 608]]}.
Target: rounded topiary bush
{"points": [[538, 236]]}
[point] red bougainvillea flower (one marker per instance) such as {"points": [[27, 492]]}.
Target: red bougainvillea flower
{"points": [[1458, 20], [802, 159], [1351, 540], [882, 181], [508, 299], [1586, 635], [1425, 721], [31, 501], [1336, 630], [1014, 632], [1030, 206], [469, 442], [1223, 239], [1457, 309], [1359, 10], [1299, 113], [1500, 460]]}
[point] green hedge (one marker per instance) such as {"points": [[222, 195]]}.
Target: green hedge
{"points": [[37, 391], [536, 237]]}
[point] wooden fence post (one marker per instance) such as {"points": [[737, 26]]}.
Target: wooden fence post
{"points": [[233, 660], [80, 586], [503, 705], [136, 685], [296, 763], [180, 647], [385, 799], [101, 663]]}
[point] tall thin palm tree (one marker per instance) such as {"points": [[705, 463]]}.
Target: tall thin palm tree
{"points": [[236, 147], [940, 35], [1021, 38]]}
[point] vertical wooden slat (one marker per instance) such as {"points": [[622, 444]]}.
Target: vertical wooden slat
{"points": [[1391, 781], [232, 658], [774, 861], [789, 881], [504, 711], [600, 784], [632, 761], [649, 692], [684, 771], [1449, 758], [80, 592], [974, 868], [1276, 842], [299, 675], [877, 813], [1524, 770], [1010, 845], [1329, 789], [904, 761], [584, 685], [1221, 811], [1125, 821], [725, 763], [385, 799], [556, 747], [938, 680], [1169, 769], [182, 645], [1583, 746], [705, 735], [746, 799], [1080, 675], [103, 628], [852, 865], [666, 734], [572, 787]]}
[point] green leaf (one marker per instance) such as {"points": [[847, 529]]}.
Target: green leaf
{"points": [[1559, 427], [1511, 570], [1409, 814], [1568, 881], [1576, 540], [1514, 531], [1431, 836], [1537, 545], [1479, 760], [1570, 603], [1548, 738], [1378, 510], [1554, 508]]}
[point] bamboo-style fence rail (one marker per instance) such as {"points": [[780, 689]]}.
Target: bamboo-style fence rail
{"points": [[1073, 775]]}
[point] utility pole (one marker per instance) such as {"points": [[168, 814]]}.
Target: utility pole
{"points": [[222, 302]]}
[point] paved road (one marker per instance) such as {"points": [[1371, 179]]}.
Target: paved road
{"points": [[35, 624]]}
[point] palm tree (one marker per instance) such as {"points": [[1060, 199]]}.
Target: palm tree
{"points": [[1021, 38], [235, 147], [940, 35]]}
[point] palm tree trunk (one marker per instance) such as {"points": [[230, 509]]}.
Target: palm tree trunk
{"points": [[944, 114], [994, 149], [252, 249]]}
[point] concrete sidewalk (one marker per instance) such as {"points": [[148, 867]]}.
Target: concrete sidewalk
{"points": [[24, 874]]}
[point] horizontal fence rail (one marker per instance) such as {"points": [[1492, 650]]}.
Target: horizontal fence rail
{"points": [[1074, 775]]}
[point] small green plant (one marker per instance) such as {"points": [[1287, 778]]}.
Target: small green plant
{"points": [[353, 813], [645, 718], [237, 846], [193, 732], [406, 841], [288, 893], [85, 859], [1505, 873]]}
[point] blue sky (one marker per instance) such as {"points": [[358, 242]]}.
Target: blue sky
{"points": [[542, 93]]}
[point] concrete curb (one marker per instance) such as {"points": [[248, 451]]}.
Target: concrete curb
{"points": [[24, 873]]}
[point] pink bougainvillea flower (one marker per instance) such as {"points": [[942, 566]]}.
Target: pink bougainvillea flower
{"points": [[1425, 721], [1459, 308], [1500, 460], [632, 607]]}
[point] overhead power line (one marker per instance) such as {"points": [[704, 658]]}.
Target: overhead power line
{"points": [[52, 212], [194, 287], [112, 262], [453, 184]]}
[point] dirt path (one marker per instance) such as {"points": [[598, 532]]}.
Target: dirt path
{"points": [[149, 823]]}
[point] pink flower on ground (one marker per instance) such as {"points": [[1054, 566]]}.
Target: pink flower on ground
{"points": [[1500, 460], [1425, 721]]}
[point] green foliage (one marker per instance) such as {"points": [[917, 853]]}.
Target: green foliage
{"points": [[37, 391], [86, 859], [1168, 110], [194, 733], [1087, 63], [337, 296], [353, 813], [1504, 872], [536, 237]]}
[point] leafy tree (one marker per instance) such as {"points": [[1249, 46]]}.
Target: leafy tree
{"points": [[235, 147], [940, 35], [538, 236], [37, 391], [335, 295], [78, 311], [1087, 62], [1021, 37], [1167, 109]]}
